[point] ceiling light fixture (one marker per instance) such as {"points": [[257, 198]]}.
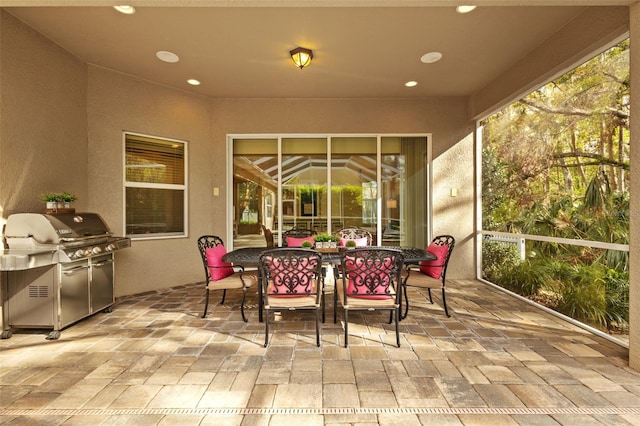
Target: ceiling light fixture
{"points": [[301, 56], [193, 82], [465, 9], [165, 56], [126, 9], [411, 83], [431, 57]]}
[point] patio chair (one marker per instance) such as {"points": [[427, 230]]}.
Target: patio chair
{"points": [[268, 236], [370, 282], [362, 237], [291, 280], [296, 236], [431, 274], [220, 275]]}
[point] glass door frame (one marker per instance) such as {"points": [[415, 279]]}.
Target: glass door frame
{"points": [[229, 201]]}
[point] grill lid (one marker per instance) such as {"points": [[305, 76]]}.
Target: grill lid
{"points": [[56, 229]]}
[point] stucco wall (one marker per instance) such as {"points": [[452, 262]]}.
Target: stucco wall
{"points": [[118, 102], [43, 126]]}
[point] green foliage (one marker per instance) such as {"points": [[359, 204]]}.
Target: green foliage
{"points": [[322, 238], [526, 278], [306, 244], [498, 256], [583, 297], [65, 197], [617, 299]]}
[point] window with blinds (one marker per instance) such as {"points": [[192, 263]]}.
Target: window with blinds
{"points": [[155, 186]]}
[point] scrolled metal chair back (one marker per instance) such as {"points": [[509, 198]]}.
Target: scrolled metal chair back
{"points": [[205, 242], [291, 272], [372, 271], [355, 234]]}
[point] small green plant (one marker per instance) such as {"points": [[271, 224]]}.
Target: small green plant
{"points": [[58, 197], [50, 197], [307, 244], [350, 244], [68, 197], [322, 238]]}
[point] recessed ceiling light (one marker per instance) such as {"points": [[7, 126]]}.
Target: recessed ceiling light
{"points": [[465, 9], [431, 57], [163, 55], [411, 83], [193, 82], [127, 10]]}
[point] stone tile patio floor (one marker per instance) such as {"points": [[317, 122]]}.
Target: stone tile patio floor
{"points": [[154, 361]]}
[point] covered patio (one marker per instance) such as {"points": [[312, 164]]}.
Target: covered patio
{"points": [[154, 361]]}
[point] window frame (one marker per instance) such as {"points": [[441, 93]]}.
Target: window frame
{"points": [[174, 187]]}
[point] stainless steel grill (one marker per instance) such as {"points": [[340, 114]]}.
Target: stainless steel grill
{"points": [[73, 236], [58, 269]]}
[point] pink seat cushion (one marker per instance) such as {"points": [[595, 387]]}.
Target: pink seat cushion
{"points": [[360, 242], [358, 275], [291, 280], [297, 242], [217, 268], [433, 268]]}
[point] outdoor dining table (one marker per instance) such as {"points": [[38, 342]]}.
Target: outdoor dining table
{"points": [[249, 257]]}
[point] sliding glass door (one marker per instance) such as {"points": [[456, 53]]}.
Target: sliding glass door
{"points": [[379, 183]]}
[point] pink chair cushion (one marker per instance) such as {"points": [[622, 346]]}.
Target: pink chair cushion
{"points": [[297, 242], [281, 276], [360, 242], [355, 284], [217, 268], [433, 268]]}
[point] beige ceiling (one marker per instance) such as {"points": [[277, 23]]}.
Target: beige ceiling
{"points": [[359, 52]]}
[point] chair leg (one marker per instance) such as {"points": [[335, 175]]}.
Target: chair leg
{"points": [[397, 315], [224, 295], [430, 298], [444, 303], [318, 328], [323, 301], [406, 301], [335, 305], [206, 303], [244, 295], [346, 328], [266, 327]]}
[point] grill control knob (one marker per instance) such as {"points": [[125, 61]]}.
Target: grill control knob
{"points": [[78, 253], [110, 247], [96, 250]]}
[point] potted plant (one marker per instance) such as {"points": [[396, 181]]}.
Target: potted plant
{"points": [[51, 200], [67, 198], [333, 241], [307, 244], [58, 200], [350, 244], [321, 240]]}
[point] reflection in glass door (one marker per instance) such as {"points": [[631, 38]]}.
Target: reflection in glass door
{"points": [[354, 183], [304, 184], [326, 184]]}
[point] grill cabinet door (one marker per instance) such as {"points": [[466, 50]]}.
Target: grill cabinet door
{"points": [[101, 282], [74, 292]]}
